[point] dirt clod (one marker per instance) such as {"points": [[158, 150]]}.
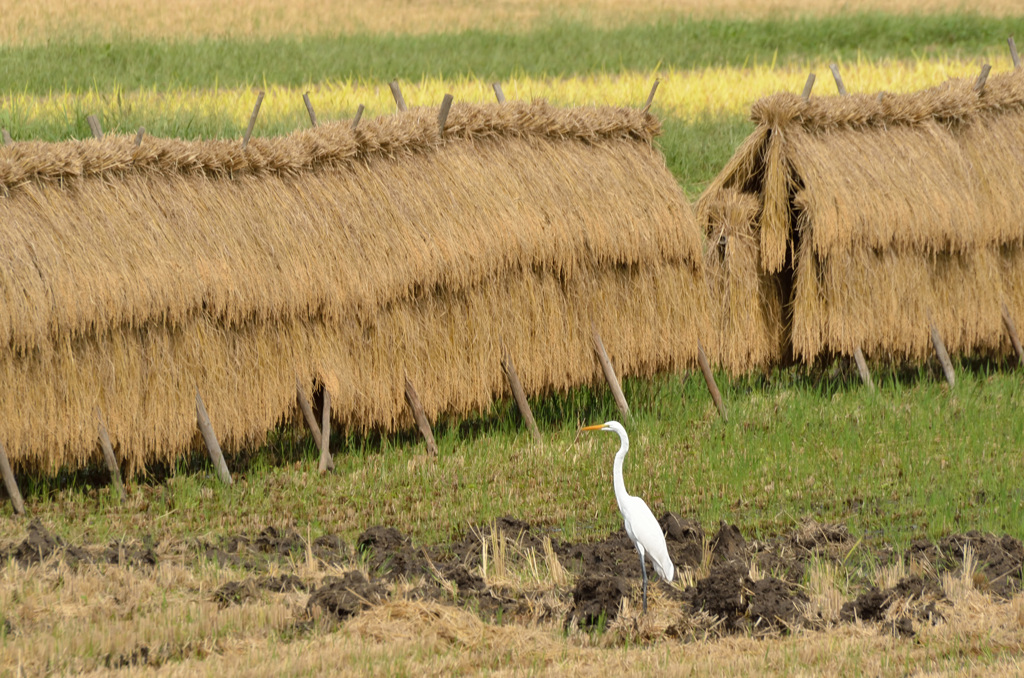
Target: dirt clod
{"points": [[343, 597], [596, 600]]}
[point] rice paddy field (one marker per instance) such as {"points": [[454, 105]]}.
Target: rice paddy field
{"points": [[824, 528]]}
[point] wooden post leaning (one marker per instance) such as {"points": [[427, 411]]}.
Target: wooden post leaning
{"points": [[609, 373], [1011, 329], [442, 116], [326, 460], [138, 136], [252, 118], [108, 457], [838, 78], [359, 114], [7, 137], [420, 416], [212, 446], [979, 84], [709, 379], [12, 487], [94, 126], [1013, 52], [307, 412], [396, 92], [941, 353], [499, 95], [520, 395], [309, 108], [650, 98], [808, 86], [862, 368]]}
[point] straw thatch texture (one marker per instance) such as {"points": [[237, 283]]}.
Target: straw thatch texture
{"points": [[876, 213], [132, 277]]}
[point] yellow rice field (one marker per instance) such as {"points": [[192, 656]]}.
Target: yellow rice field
{"points": [[684, 95]]}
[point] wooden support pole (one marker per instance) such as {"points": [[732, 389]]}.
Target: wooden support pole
{"points": [[94, 125], [941, 353], [420, 416], [862, 368], [7, 137], [108, 457], [309, 108], [138, 136], [326, 460], [979, 84], [497, 92], [1012, 331], [1013, 52], [520, 395], [838, 78], [709, 379], [442, 116], [307, 412], [359, 114], [396, 92], [12, 487], [650, 98], [808, 86], [212, 446], [252, 118], [609, 373]]}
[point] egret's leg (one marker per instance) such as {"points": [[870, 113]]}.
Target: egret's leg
{"points": [[643, 568]]}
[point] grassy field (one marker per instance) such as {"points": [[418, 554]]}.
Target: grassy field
{"points": [[913, 460]]}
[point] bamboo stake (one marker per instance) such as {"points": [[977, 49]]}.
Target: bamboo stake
{"points": [[252, 118], [138, 136], [109, 458], [941, 353], [12, 487], [420, 416], [520, 395], [709, 379], [307, 412], [979, 84], [442, 116], [94, 125], [838, 78], [862, 367], [609, 373], [309, 108], [212, 446], [7, 137], [326, 460], [808, 86], [396, 92], [650, 98], [359, 114], [497, 92], [1013, 52], [1012, 331]]}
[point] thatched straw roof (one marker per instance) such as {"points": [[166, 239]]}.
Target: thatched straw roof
{"points": [[872, 212], [130, 277]]}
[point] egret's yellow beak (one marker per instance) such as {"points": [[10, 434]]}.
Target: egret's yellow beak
{"points": [[595, 427]]}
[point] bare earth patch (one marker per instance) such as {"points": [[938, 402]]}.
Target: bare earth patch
{"points": [[509, 595]]}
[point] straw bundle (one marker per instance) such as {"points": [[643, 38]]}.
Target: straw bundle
{"points": [[131, 277], [874, 214]]}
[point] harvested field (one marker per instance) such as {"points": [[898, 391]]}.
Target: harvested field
{"points": [[301, 596]]}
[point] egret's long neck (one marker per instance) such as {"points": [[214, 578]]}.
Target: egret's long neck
{"points": [[620, 456]]}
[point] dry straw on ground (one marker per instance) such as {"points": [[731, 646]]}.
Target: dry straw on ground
{"points": [[133, 276], [871, 212]]}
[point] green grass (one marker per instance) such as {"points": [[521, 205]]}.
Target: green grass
{"points": [[561, 49], [911, 460]]}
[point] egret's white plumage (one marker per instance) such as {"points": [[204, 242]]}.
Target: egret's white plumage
{"points": [[641, 525]]}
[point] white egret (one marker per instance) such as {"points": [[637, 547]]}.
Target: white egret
{"points": [[641, 525]]}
